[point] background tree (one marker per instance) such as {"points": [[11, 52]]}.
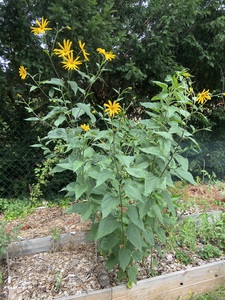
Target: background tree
{"points": [[150, 38]]}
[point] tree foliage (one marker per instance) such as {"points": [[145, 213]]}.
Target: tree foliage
{"points": [[151, 39]]}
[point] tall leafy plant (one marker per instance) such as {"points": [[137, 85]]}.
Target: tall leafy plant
{"points": [[122, 167]]}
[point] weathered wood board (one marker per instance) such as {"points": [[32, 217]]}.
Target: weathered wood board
{"points": [[173, 286], [45, 244]]}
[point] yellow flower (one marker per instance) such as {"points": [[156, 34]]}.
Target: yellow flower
{"points": [[186, 74], [223, 94], [23, 72], [41, 26], [70, 63], [65, 49], [203, 97], [85, 127], [112, 108], [101, 51], [108, 55], [85, 54], [191, 91]]}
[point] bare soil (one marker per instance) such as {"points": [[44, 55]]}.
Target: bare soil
{"points": [[76, 269]]}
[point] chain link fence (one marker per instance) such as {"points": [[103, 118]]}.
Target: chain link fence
{"points": [[17, 162]]}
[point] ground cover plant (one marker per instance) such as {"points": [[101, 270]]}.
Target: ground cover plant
{"points": [[123, 168]]}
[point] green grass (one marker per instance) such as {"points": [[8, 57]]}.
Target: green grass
{"points": [[218, 294]]}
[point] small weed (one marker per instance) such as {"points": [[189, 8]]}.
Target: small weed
{"points": [[55, 234], [58, 280], [183, 257], [209, 251], [6, 237]]}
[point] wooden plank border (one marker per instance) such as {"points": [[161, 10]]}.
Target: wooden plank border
{"points": [[45, 244], [173, 286]]}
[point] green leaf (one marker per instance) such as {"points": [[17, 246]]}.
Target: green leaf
{"points": [[59, 133], [108, 242], [153, 183], [54, 81], [33, 87], [164, 86], [87, 109], [109, 203], [74, 86], [77, 164], [32, 119], [134, 236], [132, 190], [60, 120], [132, 273], [148, 235], [65, 166], [137, 173], [167, 197], [183, 161], [160, 233], [179, 172], [107, 226], [124, 258], [103, 176], [85, 209], [158, 213], [125, 160], [77, 112], [133, 215]]}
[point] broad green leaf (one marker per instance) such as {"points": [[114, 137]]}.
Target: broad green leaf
{"points": [[107, 226], [134, 236], [59, 133], [80, 189], [85, 209], [133, 215], [87, 109], [124, 258], [167, 197], [109, 241], [163, 85], [101, 135], [160, 233], [153, 183], [125, 160], [109, 203], [132, 190], [54, 81], [183, 161], [158, 213], [33, 87], [149, 237], [65, 166], [137, 173], [151, 150], [77, 112], [164, 134], [60, 120], [184, 175], [103, 176], [74, 86], [132, 273], [77, 164]]}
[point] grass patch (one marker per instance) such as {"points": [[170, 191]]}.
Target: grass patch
{"points": [[218, 294]]}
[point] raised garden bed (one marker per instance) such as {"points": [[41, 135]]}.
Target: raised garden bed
{"points": [[65, 268], [191, 280]]}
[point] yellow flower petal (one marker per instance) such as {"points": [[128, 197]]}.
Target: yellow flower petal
{"points": [[85, 127], [112, 108]]}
